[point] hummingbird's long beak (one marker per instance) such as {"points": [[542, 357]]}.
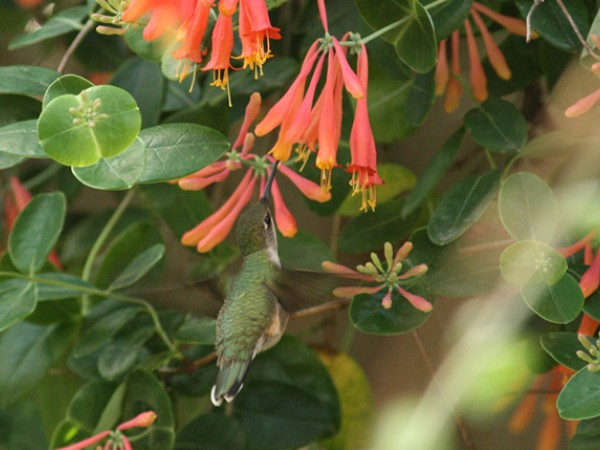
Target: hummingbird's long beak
{"points": [[267, 190]]}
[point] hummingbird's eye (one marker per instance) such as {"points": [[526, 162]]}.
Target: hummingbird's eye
{"points": [[267, 220]]}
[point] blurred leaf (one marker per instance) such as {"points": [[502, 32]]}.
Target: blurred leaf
{"points": [[178, 96], [7, 160], [138, 267], [434, 171], [122, 354], [311, 409], [149, 50], [367, 314], [212, 432], [116, 173], [396, 178], [100, 332], [528, 208], [46, 291], [372, 229], [26, 80], [101, 53], [27, 352], [528, 262], [414, 39], [176, 150], [356, 402], [124, 249], [552, 25], [196, 330], [144, 81], [18, 108], [212, 116], [580, 397], [36, 230], [420, 98], [562, 346], [560, 302], [304, 251], [497, 125], [587, 435], [116, 121], [448, 16], [67, 84], [20, 139], [461, 207], [18, 298], [21, 426], [58, 24]]}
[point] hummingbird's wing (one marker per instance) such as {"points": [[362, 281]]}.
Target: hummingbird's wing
{"points": [[297, 290]]}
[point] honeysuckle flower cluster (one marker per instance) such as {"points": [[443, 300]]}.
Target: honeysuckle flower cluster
{"points": [[590, 280], [116, 439], [189, 21], [386, 278], [312, 124], [448, 77], [215, 228], [586, 103]]}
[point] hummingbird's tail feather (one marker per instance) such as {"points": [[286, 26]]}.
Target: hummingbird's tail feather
{"points": [[230, 381]]}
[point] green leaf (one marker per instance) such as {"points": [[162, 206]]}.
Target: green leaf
{"points": [[448, 16], [433, 173], [552, 25], [100, 332], [304, 251], [563, 346], [414, 39], [560, 302], [421, 98], [176, 150], [289, 371], [27, 352], [77, 130], [529, 262], [67, 84], [36, 230], [196, 330], [587, 435], [47, 291], [371, 230], [580, 397], [497, 125], [21, 139], [18, 298], [124, 250], [7, 160], [367, 314], [122, 354], [58, 24], [396, 178], [212, 432], [144, 81], [117, 173], [150, 50], [17, 108], [528, 208], [26, 80], [138, 267], [461, 207]]}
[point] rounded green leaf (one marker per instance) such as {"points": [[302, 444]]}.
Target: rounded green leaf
{"points": [[78, 130], [562, 346], [20, 139], [35, 231], [497, 125], [580, 397], [67, 84], [414, 38], [116, 173], [138, 267], [367, 314], [448, 16], [177, 150], [150, 50], [26, 80], [17, 300], [461, 207], [122, 354], [212, 431], [560, 302], [528, 208], [528, 262], [196, 330]]}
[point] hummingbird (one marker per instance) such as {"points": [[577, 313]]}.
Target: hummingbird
{"points": [[261, 297]]}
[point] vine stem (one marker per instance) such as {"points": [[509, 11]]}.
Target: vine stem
{"points": [[91, 258], [569, 18], [101, 293], [461, 427], [80, 36]]}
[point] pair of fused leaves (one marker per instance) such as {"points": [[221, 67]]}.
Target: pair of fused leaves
{"points": [[529, 213]]}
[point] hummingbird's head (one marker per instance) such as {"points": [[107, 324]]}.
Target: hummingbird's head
{"points": [[255, 229]]}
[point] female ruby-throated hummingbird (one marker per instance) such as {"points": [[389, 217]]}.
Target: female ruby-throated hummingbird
{"points": [[251, 318]]}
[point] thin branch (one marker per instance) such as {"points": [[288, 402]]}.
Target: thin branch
{"points": [[536, 3], [80, 36], [585, 44], [320, 308], [461, 427]]}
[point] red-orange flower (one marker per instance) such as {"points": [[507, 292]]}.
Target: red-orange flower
{"points": [[447, 80], [586, 103], [255, 29], [590, 280], [222, 45]]}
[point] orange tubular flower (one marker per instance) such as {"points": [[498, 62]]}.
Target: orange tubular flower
{"points": [[451, 85], [222, 45], [255, 28], [192, 32]]}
